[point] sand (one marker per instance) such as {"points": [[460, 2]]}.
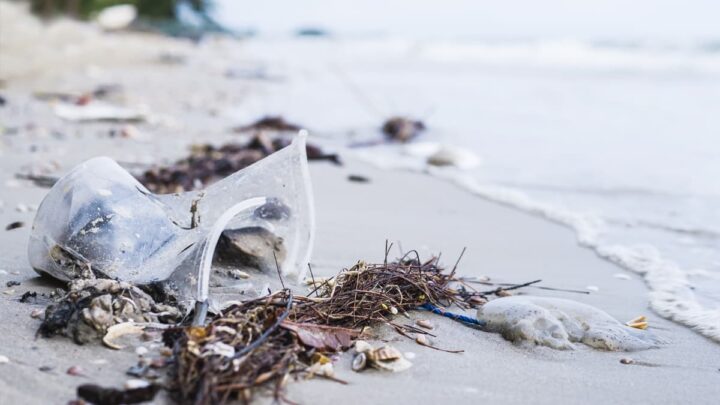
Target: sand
{"points": [[354, 220]]}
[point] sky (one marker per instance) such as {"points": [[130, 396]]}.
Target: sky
{"points": [[588, 19]]}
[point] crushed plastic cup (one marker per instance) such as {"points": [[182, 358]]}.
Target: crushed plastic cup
{"points": [[99, 220]]}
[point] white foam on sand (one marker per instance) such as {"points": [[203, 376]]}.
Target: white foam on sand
{"points": [[559, 323]]}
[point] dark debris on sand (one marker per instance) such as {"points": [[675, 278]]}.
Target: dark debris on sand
{"points": [[207, 164], [402, 129]]}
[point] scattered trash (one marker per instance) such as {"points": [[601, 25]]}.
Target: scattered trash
{"points": [[116, 17], [270, 123], [401, 129], [112, 396], [638, 323], [14, 225], [386, 358], [265, 340], [358, 178], [99, 222], [12, 283], [97, 111], [558, 323]]}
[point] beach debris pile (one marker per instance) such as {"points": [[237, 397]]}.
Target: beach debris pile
{"points": [[263, 343], [208, 164], [94, 309], [402, 129]]}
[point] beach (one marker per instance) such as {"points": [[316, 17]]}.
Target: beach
{"points": [[196, 93]]}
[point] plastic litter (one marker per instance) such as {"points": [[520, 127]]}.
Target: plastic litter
{"points": [[99, 220]]}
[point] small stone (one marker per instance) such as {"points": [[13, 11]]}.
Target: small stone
{"points": [[627, 361], [238, 274], [135, 384], [46, 368], [393, 310], [422, 340], [424, 323], [166, 351], [75, 371], [475, 300], [141, 350], [503, 293]]}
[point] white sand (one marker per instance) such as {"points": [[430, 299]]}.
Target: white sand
{"points": [[354, 220]]}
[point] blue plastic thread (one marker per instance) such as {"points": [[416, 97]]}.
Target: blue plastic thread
{"points": [[457, 317]]}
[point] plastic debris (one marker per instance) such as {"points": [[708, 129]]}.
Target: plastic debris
{"points": [[99, 221]]}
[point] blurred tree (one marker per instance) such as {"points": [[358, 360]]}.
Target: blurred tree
{"points": [[161, 9]]}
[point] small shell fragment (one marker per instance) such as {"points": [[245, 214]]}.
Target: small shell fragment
{"points": [[393, 310], [638, 323], [362, 346], [121, 329], [359, 362], [424, 323], [75, 371]]}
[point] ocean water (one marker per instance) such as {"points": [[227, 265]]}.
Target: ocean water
{"points": [[620, 143], [618, 139]]}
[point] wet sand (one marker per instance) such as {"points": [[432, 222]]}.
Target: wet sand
{"points": [[187, 102]]}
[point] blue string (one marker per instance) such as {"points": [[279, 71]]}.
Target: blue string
{"points": [[457, 317]]}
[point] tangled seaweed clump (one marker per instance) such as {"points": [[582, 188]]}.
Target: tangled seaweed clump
{"points": [[264, 342]]}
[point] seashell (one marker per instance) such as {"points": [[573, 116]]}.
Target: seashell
{"points": [[359, 362], [638, 325], [121, 329], [640, 318], [362, 346], [385, 353], [394, 366], [393, 310], [424, 323], [478, 300]]}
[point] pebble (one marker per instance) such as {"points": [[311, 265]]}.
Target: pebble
{"points": [[75, 371], [424, 323], [503, 293], [141, 351], [627, 361], [46, 368], [4, 360], [421, 339], [135, 384]]}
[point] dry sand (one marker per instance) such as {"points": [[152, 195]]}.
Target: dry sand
{"points": [[354, 220]]}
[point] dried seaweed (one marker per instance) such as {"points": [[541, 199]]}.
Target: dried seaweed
{"points": [[207, 163], [261, 344]]}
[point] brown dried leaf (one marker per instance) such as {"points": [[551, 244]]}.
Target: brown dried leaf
{"points": [[322, 337]]}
